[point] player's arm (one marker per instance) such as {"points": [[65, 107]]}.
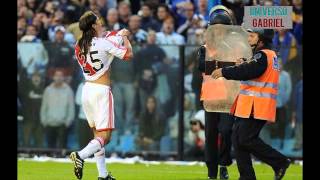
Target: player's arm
{"points": [[247, 70], [120, 51], [126, 43]]}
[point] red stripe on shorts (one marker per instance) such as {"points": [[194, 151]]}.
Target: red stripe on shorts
{"points": [[110, 109], [105, 129]]}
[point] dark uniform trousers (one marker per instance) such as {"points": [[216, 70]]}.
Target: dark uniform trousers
{"points": [[246, 141], [216, 123]]}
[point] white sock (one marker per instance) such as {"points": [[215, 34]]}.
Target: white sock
{"points": [[94, 146], [101, 164]]}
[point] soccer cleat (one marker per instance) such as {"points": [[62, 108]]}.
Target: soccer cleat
{"points": [[109, 177], [224, 173], [78, 164], [279, 173]]}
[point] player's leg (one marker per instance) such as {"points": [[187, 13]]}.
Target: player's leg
{"points": [[90, 94], [211, 145], [100, 155], [104, 126]]}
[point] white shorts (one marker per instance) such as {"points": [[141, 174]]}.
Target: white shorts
{"points": [[97, 103]]}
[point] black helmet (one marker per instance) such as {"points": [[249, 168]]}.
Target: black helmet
{"points": [[265, 35], [219, 14]]}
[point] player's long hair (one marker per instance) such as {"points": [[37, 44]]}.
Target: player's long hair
{"points": [[88, 32]]}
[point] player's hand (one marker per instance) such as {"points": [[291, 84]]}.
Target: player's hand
{"points": [[239, 61], [217, 73], [125, 32]]}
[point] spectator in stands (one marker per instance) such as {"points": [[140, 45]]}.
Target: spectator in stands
{"points": [[84, 130], [138, 35], [33, 55], [122, 77], [189, 67], [149, 57], [23, 10], [38, 21], [113, 20], [71, 10], [147, 21], [202, 9], [297, 18], [57, 111], [124, 13], [168, 35], [195, 138], [178, 9], [268, 2], [297, 114], [167, 38], [32, 5], [188, 113], [196, 82], [74, 29], [80, 3], [151, 125], [94, 7], [21, 27], [56, 20], [277, 130], [32, 128], [47, 7], [285, 43], [163, 13], [31, 34], [147, 84], [191, 24], [60, 55], [102, 5]]}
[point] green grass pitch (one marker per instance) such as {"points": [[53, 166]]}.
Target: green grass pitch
{"points": [[31, 170]]}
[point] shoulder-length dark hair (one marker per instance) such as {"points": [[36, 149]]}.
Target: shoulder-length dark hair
{"points": [[88, 32]]}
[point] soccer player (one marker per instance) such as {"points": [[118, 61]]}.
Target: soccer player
{"points": [[94, 54]]}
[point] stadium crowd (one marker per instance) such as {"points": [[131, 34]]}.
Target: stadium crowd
{"points": [[145, 89]]}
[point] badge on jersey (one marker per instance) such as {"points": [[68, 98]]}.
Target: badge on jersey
{"points": [[257, 56], [275, 63]]}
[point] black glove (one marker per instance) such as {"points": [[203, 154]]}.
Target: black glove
{"points": [[201, 58]]}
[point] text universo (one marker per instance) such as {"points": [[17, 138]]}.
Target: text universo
{"points": [[268, 11]]}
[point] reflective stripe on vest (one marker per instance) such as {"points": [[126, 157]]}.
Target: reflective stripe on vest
{"points": [[260, 84], [258, 94]]}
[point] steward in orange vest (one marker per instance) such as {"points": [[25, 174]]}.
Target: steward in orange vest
{"points": [[255, 105]]}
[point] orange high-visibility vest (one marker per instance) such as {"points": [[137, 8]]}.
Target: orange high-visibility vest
{"points": [[258, 96], [212, 90]]}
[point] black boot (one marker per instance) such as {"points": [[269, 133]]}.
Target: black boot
{"points": [[224, 172], [280, 172]]}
